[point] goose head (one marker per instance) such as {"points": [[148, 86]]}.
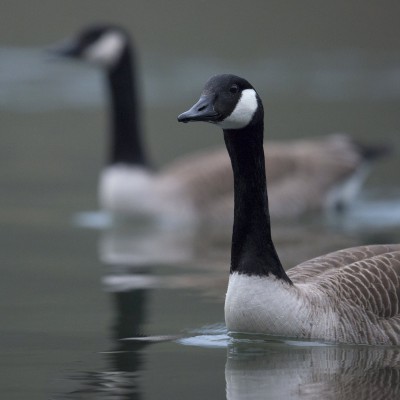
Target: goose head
{"points": [[228, 101], [102, 45]]}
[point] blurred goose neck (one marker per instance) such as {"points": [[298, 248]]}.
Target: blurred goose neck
{"points": [[126, 141], [253, 252]]}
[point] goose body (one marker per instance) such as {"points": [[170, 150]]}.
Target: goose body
{"points": [[200, 184], [349, 296]]}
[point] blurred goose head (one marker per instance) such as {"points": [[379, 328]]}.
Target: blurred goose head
{"points": [[100, 44]]}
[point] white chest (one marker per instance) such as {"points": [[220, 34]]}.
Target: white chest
{"points": [[135, 190], [126, 189], [269, 306]]}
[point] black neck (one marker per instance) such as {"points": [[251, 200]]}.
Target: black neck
{"points": [[253, 252], [126, 143]]}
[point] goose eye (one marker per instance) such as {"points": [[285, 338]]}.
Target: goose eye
{"points": [[234, 89]]}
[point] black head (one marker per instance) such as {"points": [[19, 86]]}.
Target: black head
{"points": [[99, 44], [228, 101]]}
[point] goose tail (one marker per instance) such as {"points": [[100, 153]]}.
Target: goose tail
{"points": [[372, 152], [343, 194]]}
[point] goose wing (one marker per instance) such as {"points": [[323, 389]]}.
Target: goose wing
{"points": [[314, 269], [327, 159], [367, 277], [361, 285]]}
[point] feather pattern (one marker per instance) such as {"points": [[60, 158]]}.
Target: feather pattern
{"points": [[348, 296]]}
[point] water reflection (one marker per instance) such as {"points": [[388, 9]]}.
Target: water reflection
{"points": [[145, 243], [132, 242], [281, 371], [371, 211], [120, 378], [130, 251]]}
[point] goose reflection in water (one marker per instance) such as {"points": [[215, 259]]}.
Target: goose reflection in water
{"points": [[282, 371], [140, 256], [119, 378], [131, 243]]}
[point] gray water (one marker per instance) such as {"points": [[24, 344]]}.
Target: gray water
{"points": [[133, 311]]}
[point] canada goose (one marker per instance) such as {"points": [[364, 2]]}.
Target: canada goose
{"points": [[348, 296], [201, 183]]}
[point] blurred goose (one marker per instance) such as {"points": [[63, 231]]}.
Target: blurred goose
{"points": [[349, 296], [201, 183]]}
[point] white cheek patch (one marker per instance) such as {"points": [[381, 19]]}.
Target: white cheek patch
{"points": [[243, 112], [107, 50]]}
